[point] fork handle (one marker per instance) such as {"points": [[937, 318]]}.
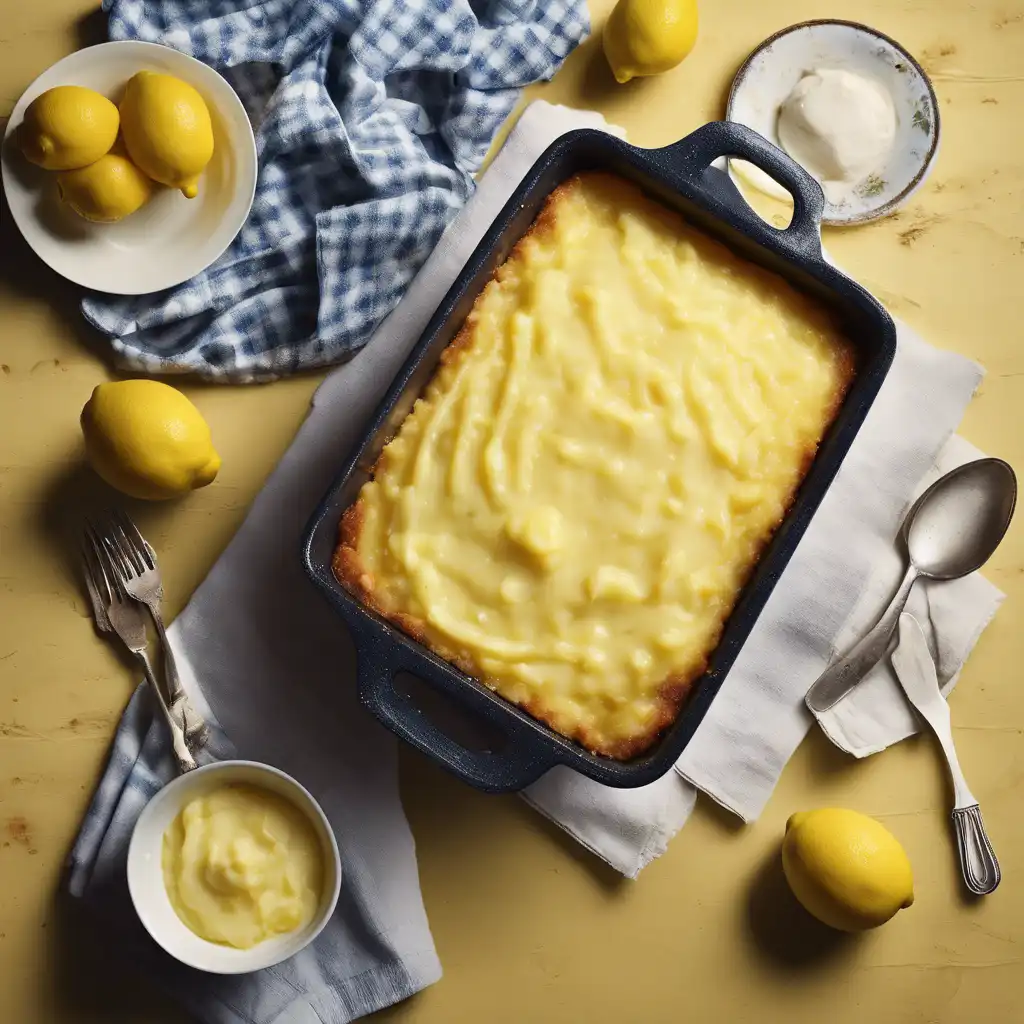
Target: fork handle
{"points": [[185, 761], [195, 728]]}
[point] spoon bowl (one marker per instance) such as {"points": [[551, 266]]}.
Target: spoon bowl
{"points": [[957, 523], [950, 531]]}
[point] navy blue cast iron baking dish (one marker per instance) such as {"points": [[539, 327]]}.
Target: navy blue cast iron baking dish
{"points": [[681, 176]]}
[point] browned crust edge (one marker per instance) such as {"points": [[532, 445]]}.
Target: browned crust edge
{"points": [[675, 689]]}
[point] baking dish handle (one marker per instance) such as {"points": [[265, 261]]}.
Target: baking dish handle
{"points": [[694, 154], [522, 760]]}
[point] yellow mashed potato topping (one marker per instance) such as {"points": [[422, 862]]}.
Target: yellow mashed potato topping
{"points": [[241, 865], [573, 506]]}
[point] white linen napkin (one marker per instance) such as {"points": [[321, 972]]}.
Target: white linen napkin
{"points": [[876, 714], [758, 718]]}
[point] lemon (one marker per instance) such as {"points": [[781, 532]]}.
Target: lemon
{"points": [[66, 127], [647, 37], [847, 869], [106, 190], [167, 129], [148, 440]]}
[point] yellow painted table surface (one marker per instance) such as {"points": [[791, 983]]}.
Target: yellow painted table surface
{"points": [[529, 927]]}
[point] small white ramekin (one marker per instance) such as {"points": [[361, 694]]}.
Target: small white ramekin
{"points": [[145, 871]]}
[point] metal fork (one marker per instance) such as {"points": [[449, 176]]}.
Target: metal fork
{"points": [[115, 612], [135, 562]]}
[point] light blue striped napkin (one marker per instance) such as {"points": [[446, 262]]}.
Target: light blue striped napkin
{"points": [[371, 117]]}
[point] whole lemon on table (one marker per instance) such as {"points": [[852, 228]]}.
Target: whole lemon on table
{"points": [[67, 127], [105, 191], [148, 440], [647, 37], [847, 869], [167, 129]]}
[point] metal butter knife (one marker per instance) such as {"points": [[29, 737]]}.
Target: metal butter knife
{"points": [[916, 671]]}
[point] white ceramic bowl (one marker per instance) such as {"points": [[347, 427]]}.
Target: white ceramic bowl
{"points": [[171, 238], [769, 74], [145, 873]]}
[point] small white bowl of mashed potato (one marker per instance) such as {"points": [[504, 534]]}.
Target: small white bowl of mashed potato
{"points": [[233, 867]]}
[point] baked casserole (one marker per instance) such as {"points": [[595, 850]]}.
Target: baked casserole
{"points": [[571, 509]]}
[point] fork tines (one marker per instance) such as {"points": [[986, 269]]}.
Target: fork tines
{"points": [[135, 545], [99, 560], [126, 548]]}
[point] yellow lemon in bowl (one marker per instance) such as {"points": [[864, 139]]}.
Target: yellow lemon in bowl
{"points": [[105, 191], [647, 37], [847, 869], [167, 129], [66, 127], [148, 440]]}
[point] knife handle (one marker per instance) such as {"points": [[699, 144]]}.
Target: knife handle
{"points": [[978, 862]]}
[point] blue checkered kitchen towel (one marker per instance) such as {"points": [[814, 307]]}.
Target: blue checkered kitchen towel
{"points": [[371, 118]]}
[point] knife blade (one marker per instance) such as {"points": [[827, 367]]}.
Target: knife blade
{"points": [[916, 672]]}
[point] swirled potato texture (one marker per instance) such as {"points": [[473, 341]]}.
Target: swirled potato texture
{"points": [[573, 506]]}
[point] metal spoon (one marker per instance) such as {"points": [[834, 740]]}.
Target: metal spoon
{"points": [[950, 531]]}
